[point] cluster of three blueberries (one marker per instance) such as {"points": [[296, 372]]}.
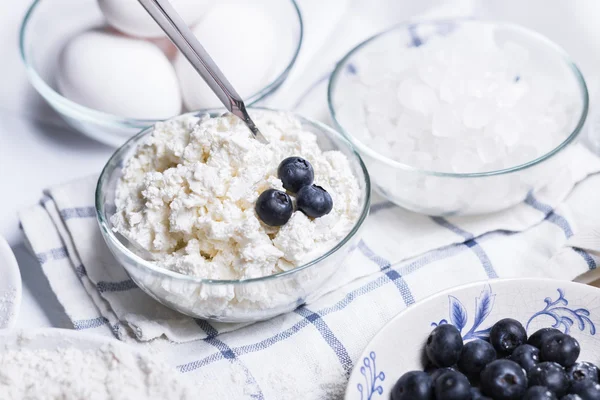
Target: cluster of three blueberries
{"points": [[275, 207]]}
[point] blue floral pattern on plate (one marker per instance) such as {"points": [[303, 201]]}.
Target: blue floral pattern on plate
{"points": [[459, 317], [369, 371], [564, 318]]}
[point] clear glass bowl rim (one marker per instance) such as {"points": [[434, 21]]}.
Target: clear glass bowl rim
{"points": [[396, 164], [111, 120], [118, 156]]}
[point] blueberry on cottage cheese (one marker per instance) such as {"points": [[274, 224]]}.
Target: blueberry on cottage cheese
{"points": [[506, 335], [586, 390], [539, 393], [274, 207], [539, 336], [562, 349], [314, 201], [503, 380], [550, 375], [295, 173], [526, 355], [444, 346], [474, 357], [583, 371], [414, 385], [452, 385]]}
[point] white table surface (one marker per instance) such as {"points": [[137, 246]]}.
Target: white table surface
{"points": [[38, 150]]}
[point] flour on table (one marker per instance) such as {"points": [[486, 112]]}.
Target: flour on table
{"points": [[332, 385], [108, 373]]}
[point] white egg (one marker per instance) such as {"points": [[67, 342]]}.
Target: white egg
{"points": [[242, 40], [130, 17], [118, 75]]}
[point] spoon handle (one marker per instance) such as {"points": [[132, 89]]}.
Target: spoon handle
{"points": [[176, 29]]}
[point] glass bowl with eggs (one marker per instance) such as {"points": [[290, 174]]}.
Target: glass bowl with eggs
{"points": [[460, 117], [108, 70], [218, 225]]}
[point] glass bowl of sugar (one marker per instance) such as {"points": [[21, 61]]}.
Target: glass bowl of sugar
{"points": [[460, 117]]}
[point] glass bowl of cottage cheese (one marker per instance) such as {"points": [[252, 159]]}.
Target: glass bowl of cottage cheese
{"points": [[177, 206], [460, 117]]}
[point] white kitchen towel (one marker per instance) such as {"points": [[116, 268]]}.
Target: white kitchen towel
{"points": [[65, 236], [402, 258]]}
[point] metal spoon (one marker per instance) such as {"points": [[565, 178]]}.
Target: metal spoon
{"points": [[134, 247], [182, 37]]}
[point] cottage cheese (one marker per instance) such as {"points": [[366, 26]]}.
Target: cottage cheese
{"points": [[187, 196]]}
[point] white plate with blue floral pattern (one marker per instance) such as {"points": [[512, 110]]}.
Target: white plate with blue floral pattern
{"points": [[474, 308]]}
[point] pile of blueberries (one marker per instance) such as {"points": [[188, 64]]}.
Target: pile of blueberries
{"points": [[507, 367], [275, 207]]}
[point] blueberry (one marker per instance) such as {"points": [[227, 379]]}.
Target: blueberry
{"points": [[429, 367], [571, 397], [274, 207], [436, 374], [539, 393], [444, 346], [414, 385], [452, 385], [582, 371], [474, 357], [506, 335], [477, 395], [295, 173], [551, 375], [587, 390], [562, 349], [539, 336], [314, 201], [526, 356], [503, 380]]}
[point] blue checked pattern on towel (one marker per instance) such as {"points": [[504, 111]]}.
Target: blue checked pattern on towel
{"points": [[401, 259], [309, 353]]}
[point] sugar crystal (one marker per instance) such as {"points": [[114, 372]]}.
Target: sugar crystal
{"points": [[467, 101]]}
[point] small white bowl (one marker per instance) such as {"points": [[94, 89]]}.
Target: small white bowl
{"points": [[10, 286], [474, 308]]}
